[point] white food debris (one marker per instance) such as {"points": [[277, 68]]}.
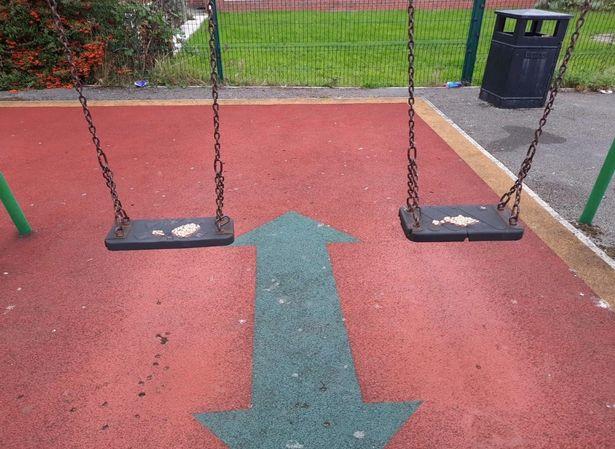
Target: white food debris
{"points": [[459, 220], [274, 284], [602, 303], [186, 230], [294, 445], [359, 434], [158, 233]]}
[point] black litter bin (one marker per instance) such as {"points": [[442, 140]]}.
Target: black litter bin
{"points": [[521, 61]]}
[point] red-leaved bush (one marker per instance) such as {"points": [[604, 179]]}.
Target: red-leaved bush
{"points": [[110, 39]]}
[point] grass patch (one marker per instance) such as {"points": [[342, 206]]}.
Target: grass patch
{"points": [[360, 48], [586, 77]]}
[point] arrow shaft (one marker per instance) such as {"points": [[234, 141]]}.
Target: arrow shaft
{"points": [[301, 347]]}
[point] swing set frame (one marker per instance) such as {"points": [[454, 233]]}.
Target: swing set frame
{"points": [[432, 223]]}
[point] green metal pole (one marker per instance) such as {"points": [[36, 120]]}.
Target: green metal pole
{"points": [[214, 17], [476, 24], [12, 207], [602, 182]]}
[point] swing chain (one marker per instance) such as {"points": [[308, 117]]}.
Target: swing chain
{"points": [[221, 219], [122, 221], [412, 201], [517, 187]]}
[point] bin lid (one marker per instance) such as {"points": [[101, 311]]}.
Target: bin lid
{"points": [[533, 14]]}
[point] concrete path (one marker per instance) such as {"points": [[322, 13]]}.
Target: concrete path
{"points": [[572, 149]]}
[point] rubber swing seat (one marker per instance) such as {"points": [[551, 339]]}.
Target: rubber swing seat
{"points": [[444, 224], [177, 233]]}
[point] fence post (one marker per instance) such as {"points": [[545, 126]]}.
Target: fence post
{"points": [[214, 17], [12, 207], [476, 24], [602, 182]]}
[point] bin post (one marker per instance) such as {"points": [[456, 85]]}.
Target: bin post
{"points": [[12, 207], [602, 183], [476, 25]]}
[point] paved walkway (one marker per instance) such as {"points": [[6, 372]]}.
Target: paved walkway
{"points": [[572, 149]]}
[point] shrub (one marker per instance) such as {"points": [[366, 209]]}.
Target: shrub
{"points": [[111, 40], [571, 5], [175, 11]]}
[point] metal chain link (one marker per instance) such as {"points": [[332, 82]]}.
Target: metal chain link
{"points": [[412, 201], [221, 219], [517, 187], [122, 220]]}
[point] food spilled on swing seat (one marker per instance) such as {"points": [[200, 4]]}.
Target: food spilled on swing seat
{"points": [[459, 220], [183, 231]]}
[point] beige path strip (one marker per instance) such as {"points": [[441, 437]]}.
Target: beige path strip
{"points": [[572, 246]]}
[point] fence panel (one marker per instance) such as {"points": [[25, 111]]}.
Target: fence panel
{"points": [[355, 43]]}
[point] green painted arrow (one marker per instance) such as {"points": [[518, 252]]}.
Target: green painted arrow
{"points": [[305, 389]]}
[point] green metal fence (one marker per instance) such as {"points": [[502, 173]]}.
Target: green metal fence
{"points": [[363, 43]]}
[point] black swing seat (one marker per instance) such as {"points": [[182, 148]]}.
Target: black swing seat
{"points": [[438, 224], [171, 234]]}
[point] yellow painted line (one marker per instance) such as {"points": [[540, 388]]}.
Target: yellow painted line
{"points": [[577, 251], [203, 102]]}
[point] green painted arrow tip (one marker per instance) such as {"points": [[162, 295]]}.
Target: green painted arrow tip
{"points": [[292, 227]]}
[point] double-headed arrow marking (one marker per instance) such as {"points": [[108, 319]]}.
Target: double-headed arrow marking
{"points": [[305, 389]]}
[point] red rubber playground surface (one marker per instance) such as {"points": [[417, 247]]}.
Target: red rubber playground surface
{"points": [[502, 342]]}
